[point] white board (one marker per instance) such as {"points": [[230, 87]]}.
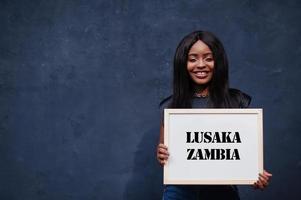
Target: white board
{"points": [[207, 169]]}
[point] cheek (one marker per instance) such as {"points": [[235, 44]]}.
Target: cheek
{"points": [[211, 65], [189, 66]]}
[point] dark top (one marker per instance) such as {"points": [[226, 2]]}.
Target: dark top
{"points": [[238, 99], [197, 102]]}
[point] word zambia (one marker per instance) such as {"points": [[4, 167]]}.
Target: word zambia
{"points": [[213, 137]]}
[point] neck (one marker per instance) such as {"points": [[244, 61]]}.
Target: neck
{"points": [[201, 90]]}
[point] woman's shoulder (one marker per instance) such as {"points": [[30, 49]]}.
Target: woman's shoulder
{"points": [[242, 99], [165, 102]]}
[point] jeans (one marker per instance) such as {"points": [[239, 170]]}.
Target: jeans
{"points": [[200, 192]]}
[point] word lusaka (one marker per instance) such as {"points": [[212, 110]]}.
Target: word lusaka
{"points": [[213, 154], [213, 137]]}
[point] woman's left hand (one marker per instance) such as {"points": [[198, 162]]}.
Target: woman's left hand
{"points": [[263, 180]]}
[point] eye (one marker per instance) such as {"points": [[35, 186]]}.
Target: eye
{"points": [[209, 59], [192, 60]]}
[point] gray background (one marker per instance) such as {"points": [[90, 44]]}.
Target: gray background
{"points": [[80, 84]]}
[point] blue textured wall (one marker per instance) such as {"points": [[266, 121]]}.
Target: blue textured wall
{"points": [[80, 83]]}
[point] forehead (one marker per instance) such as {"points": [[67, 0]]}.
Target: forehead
{"points": [[199, 48]]}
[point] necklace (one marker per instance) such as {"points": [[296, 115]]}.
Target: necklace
{"points": [[201, 95]]}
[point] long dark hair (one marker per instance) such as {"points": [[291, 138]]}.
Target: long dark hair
{"points": [[183, 86]]}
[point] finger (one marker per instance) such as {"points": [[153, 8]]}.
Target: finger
{"points": [[163, 151], [162, 146], [266, 178], [163, 162], [267, 173], [263, 181], [257, 185], [260, 185], [162, 156]]}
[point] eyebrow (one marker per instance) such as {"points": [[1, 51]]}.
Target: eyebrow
{"points": [[195, 54]]}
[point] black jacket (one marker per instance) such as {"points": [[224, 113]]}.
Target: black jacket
{"points": [[239, 98]]}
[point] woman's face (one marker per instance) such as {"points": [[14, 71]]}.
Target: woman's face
{"points": [[200, 63]]}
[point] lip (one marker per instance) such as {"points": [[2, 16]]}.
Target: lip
{"points": [[201, 74]]}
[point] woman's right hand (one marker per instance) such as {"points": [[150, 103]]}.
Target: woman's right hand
{"points": [[162, 154]]}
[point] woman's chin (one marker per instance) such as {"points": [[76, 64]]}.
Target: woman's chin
{"points": [[201, 81]]}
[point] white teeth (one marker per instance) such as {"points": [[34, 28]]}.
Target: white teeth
{"points": [[201, 73]]}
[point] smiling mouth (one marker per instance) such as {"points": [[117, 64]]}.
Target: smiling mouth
{"points": [[201, 74]]}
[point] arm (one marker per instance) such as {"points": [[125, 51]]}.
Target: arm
{"points": [[162, 151]]}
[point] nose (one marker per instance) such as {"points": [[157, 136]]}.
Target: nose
{"points": [[201, 63]]}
